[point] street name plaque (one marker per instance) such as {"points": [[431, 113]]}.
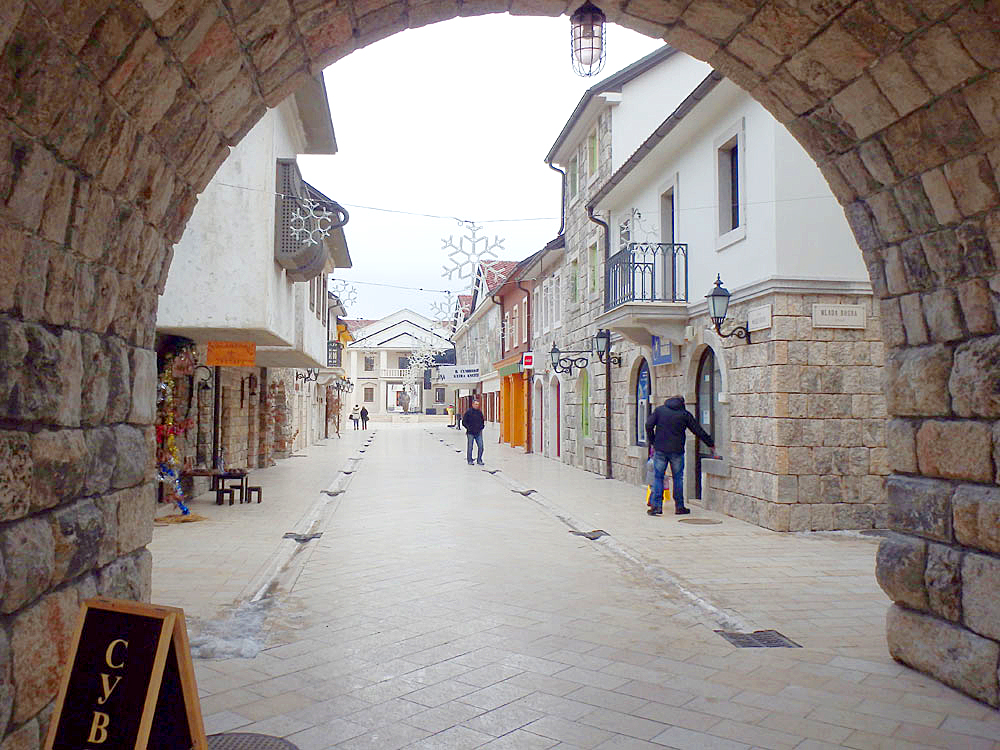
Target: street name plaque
{"points": [[129, 682], [839, 316]]}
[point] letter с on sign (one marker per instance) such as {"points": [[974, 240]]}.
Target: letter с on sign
{"points": [[129, 683]]}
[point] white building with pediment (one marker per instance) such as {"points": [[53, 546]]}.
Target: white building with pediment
{"points": [[379, 360]]}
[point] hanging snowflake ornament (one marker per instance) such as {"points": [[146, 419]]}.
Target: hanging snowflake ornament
{"points": [[443, 312], [310, 222], [465, 257], [346, 293]]}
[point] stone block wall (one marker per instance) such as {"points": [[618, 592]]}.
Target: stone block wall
{"points": [[804, 431], [807, 416]]}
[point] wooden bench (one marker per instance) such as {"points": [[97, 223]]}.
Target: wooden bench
{"points": [[237, 479]]}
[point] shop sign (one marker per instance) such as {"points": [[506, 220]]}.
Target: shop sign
{"points": [[759, 318], [511, 369], [838, 316], [663, 352], [231, 354], [458, 374], [528, 360], [129, 681]]}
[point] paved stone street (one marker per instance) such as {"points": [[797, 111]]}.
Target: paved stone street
{"points": [[448, 607]]}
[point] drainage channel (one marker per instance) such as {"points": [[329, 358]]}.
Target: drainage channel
{"points": [[287, 561], [716, 617]]}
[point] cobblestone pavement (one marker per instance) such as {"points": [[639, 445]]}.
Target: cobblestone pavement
{"points": [[448, 607]]}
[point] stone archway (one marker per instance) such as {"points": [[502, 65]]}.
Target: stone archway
{"points": [[115, 115]]}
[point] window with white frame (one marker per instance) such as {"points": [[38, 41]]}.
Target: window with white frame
{"points": [[550, 306], [516, 333], [369, 394], [505, 333], [593, 154], [557, 303], [730, 150], [581, 157], [592, 253], [369, 363], [524, 326], [439, 395], [572, 177]]}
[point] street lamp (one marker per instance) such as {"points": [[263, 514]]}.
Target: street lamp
{"points": [[718, 305], [587, 40], [603, 341], [311, 373], [561, 363]]}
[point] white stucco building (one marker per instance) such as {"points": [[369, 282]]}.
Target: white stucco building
{"points": [[252, 267], [378, 362], [663, 194]]}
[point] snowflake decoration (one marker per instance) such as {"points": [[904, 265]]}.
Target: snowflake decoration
{"points": [[471, 250], [421, 358], [346, 293], [309, 221], [444, 312], [634, 229]]}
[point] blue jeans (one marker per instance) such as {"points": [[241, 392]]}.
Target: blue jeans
{"points": [[676, 461], [478, 440]]}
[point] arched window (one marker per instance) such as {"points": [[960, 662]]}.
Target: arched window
{"points": [[585, 403], [643, 402]]}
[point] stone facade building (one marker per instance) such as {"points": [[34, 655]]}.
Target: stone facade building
{"points": [[798, 414]]}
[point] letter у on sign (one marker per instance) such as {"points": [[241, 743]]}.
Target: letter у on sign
{"points": [[129, 683]]}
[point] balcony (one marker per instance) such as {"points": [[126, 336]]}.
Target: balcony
{"points": [[646, 292], [393, 373]]}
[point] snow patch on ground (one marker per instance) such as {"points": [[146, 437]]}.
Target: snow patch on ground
{"points": [[240, 633]]}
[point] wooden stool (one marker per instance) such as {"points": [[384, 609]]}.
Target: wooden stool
{"points": [[221, 493], [250, 493]]}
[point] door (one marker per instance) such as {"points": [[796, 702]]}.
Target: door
{"points": [[665, 256], [643, 403], [709, 387]]}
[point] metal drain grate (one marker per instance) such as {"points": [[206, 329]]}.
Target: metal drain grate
{"points": [[245, 741], [591, 535], [758, 639], [301, 538]]}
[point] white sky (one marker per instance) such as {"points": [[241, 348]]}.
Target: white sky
{"points": [[453, 119]]}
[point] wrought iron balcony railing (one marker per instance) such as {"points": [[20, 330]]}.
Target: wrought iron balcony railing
{"points": [[646, 272]]}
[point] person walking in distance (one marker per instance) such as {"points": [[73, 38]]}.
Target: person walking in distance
{"points": [[665, 431], [355, 415], [364, 418], [474, 422]]}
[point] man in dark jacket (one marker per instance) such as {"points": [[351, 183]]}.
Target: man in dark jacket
{"points": [[665, 431], [473, 421]]}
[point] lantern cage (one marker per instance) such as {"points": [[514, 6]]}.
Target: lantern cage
{"points": [[587, 26]]}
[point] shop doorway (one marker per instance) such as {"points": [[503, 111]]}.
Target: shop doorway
{"points": [[709, 387]]}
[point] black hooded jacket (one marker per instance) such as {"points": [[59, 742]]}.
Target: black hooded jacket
{"points": [[473, 421], [665, 427]]}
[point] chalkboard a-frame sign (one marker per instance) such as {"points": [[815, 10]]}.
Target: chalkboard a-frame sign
{"points": [[129, 683]]}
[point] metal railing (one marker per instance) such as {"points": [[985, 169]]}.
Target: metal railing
{"points": [[646, 272]]}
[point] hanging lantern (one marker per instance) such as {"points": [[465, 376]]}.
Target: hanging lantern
{"points": [[587, 38]]}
